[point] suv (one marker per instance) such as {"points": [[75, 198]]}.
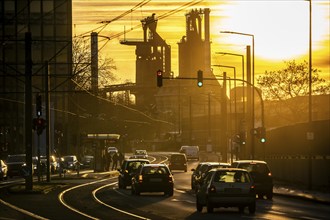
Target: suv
{"points": [[127, 171], [153, 178], [261, 175], [14, 164], [178, 161]]}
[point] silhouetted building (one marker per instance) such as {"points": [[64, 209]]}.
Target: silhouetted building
{"points": [[50, 24]]}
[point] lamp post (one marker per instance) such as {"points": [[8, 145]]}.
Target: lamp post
{"points": [[253, 70], [243, 77]]}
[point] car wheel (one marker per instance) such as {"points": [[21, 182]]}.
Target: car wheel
{"points": [[199, 206], [252, 208], [170, 192], [209, 207]]}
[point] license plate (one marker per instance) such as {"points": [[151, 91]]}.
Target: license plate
{"points": [[155, 179], [233, 190]]}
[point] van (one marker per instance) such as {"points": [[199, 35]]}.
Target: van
{"points": [[192, 152], [178, 161]]}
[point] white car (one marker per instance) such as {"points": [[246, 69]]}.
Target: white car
{"points": [[227, 187], [140, 154]]}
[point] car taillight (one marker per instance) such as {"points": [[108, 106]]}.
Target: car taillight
{"points": [[212, 189], [252, 188], [269, 174], [140, 178]]}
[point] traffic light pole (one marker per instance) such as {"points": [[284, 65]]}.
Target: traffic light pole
{"points": [[47, 121], [28, 110]]}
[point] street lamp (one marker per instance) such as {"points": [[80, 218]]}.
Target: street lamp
{"points": [[250, 35], [243, 77]]}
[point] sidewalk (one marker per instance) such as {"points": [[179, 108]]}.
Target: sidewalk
{"points": [[283, 189]]}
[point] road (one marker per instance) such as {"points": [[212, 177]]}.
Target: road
{"points": [[101, 199]]}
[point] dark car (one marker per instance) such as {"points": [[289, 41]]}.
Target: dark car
{"points": [[178, 161], [87, 161], [70, 162], [202, 169], [3, 170], [226, 187], [127, 170], [14, 163], [261, 175], [153, 178]]}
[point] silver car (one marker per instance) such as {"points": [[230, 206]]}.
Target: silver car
{"points": [[226, 187]]}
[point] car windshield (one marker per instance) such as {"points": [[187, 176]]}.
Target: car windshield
{"points": [[134, 165], [140, 152], [177, 158], [255, 167], [231, 177], [154, 170], [16, 158]]}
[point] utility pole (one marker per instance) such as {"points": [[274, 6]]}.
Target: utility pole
{"points": [[223, 135], [47, 121], [249, 151], [28, 110]]}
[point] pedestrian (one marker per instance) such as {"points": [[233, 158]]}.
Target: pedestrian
{"points": [[120, 158], [114, 161]]}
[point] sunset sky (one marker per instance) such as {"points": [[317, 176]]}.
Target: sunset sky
{"points": [[280, 29]]}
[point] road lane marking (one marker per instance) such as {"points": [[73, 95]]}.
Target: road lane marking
{"points": [[61, 199], [23, 211], [114, 208]]}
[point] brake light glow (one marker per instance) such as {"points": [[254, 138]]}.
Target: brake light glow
{"points": [[269, 174]]}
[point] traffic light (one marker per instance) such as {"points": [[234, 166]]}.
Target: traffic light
{"points": [[199, 78], [240, 138], [259, 133], [262, 134], [39, 124], [38, 105], [159, 78]]}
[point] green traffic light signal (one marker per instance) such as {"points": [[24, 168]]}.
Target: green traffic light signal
{"points": [[199, 78]]}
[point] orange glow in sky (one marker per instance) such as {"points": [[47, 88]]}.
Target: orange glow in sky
{"points": [[280, 29]]}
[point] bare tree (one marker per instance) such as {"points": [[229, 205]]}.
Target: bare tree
{"points": [[292, 81], [288, 89], [82, 65]]}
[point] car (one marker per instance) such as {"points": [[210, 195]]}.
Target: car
{"points": [[128, 170], [227, 187], [261, 175], [3, 170], [153, 178], [112, 150], [14, 164], [192, 152], [87, 161], [178, 161], [140, 154], [200, 171], [70, 162]]}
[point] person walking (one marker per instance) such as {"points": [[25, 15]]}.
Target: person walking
{"points": [[115, 158], [120, 158]]}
